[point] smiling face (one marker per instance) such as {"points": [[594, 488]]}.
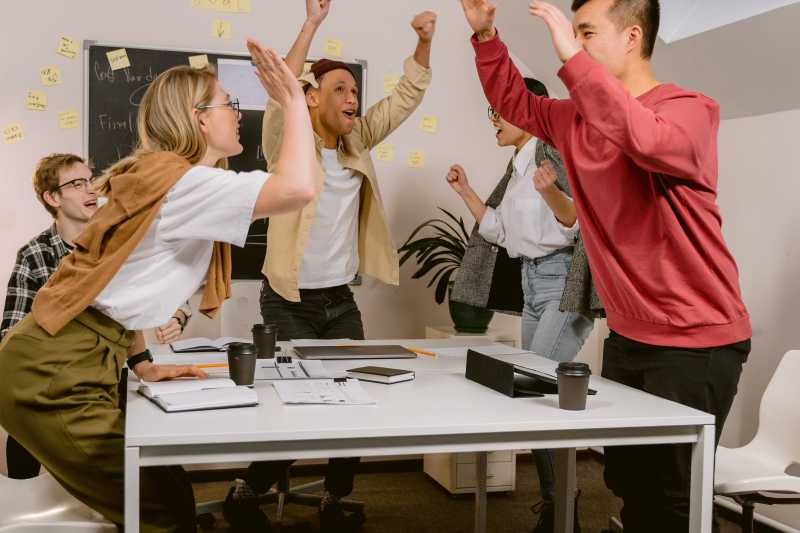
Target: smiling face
{"points": [[508, 134], [334, 105], [75, 198], [607, 36], [219, 124]]}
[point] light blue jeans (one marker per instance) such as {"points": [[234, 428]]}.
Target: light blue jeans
{"points": [[549, 332]]}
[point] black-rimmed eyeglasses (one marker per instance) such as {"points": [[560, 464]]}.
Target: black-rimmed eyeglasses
{"points": [[78, 184], [233, 104]]}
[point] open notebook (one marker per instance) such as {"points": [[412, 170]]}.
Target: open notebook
{"points": [[197, 394]]}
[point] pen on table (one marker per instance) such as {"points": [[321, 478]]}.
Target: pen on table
{"points": [[420, 351], [212, 365]]}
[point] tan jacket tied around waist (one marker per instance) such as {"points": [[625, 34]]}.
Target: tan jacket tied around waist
{"points": [[116, 229], [288, 234]]}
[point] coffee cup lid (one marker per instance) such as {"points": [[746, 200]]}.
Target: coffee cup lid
{"points": [[265, 327], [242, 348], [573, 368]]}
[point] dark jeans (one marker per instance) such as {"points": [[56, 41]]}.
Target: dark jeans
{"points": [[654, 481], [329, 313], [21, 464]]}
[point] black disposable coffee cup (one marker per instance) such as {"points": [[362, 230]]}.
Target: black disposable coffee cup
{"points": [[242, 363], [264, 337], [573, 385]]}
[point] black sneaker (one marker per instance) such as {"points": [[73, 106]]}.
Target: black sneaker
{"points": [[333, 519], [245, 515], [546, 512]]}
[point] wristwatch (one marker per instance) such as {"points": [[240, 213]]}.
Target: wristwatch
{"points": [[138, 358], [181, 323]]}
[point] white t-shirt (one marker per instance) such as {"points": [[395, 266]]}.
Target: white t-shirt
{"points": [[523, 223], [331, 255], [171, 262]]}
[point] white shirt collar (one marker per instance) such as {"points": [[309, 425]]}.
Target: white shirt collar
{"points": [[523, 158]]}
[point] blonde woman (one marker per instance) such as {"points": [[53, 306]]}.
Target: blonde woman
{"points": [[143, 253]]}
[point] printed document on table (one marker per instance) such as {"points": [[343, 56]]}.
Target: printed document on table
{"points": [[323, 392]]}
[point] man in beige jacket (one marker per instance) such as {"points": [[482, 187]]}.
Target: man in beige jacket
{"points": [[313, 254]]}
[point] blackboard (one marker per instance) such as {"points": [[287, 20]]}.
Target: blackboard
{"points": [[112, 98]]}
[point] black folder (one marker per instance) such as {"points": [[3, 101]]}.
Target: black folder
{"points": [[509, 379]]}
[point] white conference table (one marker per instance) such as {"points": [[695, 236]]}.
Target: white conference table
{"points": [[438, 412]]}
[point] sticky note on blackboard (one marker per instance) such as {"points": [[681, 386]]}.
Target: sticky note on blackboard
{"points": [[118, 59], [200, 61], [13, 133], [333, 47], [390, 81], [50, 75], [429, 124], [36, 100], [68, 120], [385, 152], [222, 29], [416, 159], [67, 47]]}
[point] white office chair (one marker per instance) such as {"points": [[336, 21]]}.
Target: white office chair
{"points": [[42, 505], [765, 470], [241, 310]]}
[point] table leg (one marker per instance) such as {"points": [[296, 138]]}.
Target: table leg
{"points": [[702, 492], [481, 467], [131, 490], [565, 490]]}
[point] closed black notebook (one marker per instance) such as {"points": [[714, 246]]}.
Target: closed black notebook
{"points": [[380, 374]]}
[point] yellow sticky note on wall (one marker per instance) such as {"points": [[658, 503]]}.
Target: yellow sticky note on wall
{"points": [[333, 47], [68, 119], [385, 152], [13, 133], [244, 6], [416, 159], [222, 29], [67, 47], [36, 100], [118, 59], [198, 62], [390, 81], [50, 75], [429, 124]]}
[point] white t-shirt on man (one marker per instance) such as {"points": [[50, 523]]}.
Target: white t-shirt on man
{"points": [[331, 255]]}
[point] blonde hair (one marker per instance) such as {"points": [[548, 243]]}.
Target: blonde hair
{"points": [[46, 176], [166, 121]]}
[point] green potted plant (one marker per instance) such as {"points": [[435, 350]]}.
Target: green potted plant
{"points": [[438, 246]]}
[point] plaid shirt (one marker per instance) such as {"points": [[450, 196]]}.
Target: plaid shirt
{"points": [[36, 262]]}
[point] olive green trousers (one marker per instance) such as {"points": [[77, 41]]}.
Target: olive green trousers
{"points": [[60, 400]]}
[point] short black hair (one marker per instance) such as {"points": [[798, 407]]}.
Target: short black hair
{"points": [[536, 87], [625, 13]]}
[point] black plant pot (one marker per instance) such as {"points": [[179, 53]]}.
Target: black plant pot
{"points": [[468, 318]]}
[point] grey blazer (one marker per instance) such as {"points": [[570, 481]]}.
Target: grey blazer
{"points": [[473, 280]]}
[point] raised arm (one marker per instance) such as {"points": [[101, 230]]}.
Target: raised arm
{"points": [[388, 114], [316, 11], [292, 184]]}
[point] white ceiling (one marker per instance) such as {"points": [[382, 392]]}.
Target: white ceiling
{"points": [[750, 67], [685, 18]]}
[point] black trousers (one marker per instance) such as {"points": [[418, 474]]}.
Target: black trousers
{"points": [[329, 313], [21, 464], [654, 481]]}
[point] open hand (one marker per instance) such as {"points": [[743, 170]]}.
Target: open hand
{"points": [[169, 332], [480, 15], [561, 30], [147, 371], [457, 179], [317, 10], [273, 73], [544, 179], [425, 25]]}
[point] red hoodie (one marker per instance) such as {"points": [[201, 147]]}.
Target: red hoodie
{"points": [[643, 175]]}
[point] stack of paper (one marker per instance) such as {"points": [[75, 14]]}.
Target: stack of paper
{"points": [[323, 391]]}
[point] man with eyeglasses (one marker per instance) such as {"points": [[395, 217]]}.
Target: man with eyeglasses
{"points": [[63, 184]]}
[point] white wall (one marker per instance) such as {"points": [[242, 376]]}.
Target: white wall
{"points": [[759, 188]]}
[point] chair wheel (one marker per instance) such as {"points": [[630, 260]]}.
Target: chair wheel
{"points": [[206, 521]]}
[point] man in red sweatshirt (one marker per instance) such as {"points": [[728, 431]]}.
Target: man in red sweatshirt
{"points": [[642, 163]]}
